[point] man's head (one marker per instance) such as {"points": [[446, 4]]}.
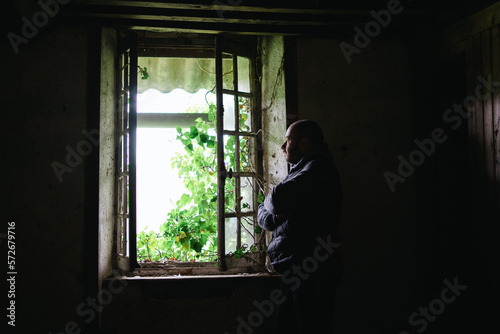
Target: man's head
{"points": [[301, 137]]}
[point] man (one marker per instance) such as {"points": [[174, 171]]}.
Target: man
{"points": [[303, 213]]}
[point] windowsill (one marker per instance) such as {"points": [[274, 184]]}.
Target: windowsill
{"points": [[196, 277], [249, 264], [195, 286]]}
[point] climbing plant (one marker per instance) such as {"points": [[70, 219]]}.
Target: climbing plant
{"points": [[189, 232]]}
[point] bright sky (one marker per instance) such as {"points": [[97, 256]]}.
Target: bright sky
{"points": [[158, 186]]}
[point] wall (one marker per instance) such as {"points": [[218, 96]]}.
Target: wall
{"points": [[466, 190], [107, 152], [44, 95], [482, 52], [366, 112], [273, 109]]}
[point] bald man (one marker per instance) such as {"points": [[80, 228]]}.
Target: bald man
{"points": [[303, 213]]}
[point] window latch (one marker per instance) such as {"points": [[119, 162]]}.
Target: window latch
{"points": [[227, 173]]}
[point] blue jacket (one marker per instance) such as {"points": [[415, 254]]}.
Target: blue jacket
{"points": [[311, 197]]}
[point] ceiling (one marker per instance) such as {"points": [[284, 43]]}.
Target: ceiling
{"points": [[264, 17], [318, 17]]}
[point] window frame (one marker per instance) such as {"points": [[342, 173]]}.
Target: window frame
{"points": [[128, 262], [125, 155]]}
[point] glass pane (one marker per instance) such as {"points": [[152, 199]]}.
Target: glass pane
{"points": [[229, 152], [229, 196], [228, 103], [247, 149], [121, 244], [127, 236], [227, 71], [126, 151], [243, 74], [247, 194], [231, 224], [126, 195], [247, 232], [245, 121], [120, 198]]}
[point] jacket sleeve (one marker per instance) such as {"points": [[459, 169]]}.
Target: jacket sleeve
{"points": [[288, 196], [265, 219]]}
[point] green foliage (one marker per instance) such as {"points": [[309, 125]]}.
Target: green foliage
{"points": [[190, 230], [143, 71]]}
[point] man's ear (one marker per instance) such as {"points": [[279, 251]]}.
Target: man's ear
{"points": [[304, 144]]}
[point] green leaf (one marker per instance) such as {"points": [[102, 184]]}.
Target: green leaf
{"points": [[203, 137], [179, 129], [189, 147], [203, 239], [238, 253], [261, 198], [184, 199], [193, 132], [196, 246], [210, 144]]}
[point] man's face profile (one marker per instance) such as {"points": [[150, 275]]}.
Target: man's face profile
{"points": [[291, 146]]}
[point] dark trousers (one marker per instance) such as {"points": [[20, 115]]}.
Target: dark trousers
{"points": [[309, 300]]}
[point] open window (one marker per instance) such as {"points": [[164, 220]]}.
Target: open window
{"points": [[188, 147]]}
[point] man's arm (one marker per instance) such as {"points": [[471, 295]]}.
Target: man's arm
{"points": [[269, 221], [288, 196], [265, 219]]}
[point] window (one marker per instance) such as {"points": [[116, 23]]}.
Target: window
{"points": [[225, 134]]}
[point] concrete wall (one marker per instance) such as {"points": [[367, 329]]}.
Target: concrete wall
{"points": [[273, 109], [107, 153]]}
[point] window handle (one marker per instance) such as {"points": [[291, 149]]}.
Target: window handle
{"points": [[227, 173]]}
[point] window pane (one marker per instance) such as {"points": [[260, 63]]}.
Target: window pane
{"points": [[247, 194], [243, 74], [229, 196], [229, 152], [231, 226], [247, 149], [228, 103], [247, 232], [126, 238], [245, 121], [227, 71]]}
